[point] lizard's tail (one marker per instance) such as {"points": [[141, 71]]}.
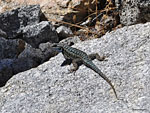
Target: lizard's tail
{"points": [[108, 81], [92, 66]]}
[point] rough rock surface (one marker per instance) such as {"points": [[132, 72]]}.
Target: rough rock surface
{"points": [[71, 40], [64, 32], [20, 32], [49, 89], [135, 11], [9, 67], [12, 21], [30, 57], [5, 71], [39, 33], [10, 48], [3, 34], [39, 55]]}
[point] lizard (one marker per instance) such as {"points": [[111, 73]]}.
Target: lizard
{"points": [[78, 57]]}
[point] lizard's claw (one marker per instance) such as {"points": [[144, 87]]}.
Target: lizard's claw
{"points": [[71, 71]]}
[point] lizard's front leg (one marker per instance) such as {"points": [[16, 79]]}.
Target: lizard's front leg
{"points": [[66, 62], [96, 56]]}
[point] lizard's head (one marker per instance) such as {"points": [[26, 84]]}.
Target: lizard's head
{"points": [[57, 47]]}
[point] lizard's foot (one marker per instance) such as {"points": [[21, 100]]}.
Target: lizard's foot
{"points": [[97, 56], [101, 58], [72, 71], [76, 63]]}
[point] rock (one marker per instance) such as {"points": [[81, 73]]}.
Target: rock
{"points": [[144, 7], [135, 11], [39, 55], [11, 48], [71, 40], [3, 34], [32, 53], [6, 71], [118, 3], [39, 33], [49, 89], [10, 67], [23, 64], [12, 21], [47, 51], [29, 58], [64, 32], [11, 24], [15, 54]]}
